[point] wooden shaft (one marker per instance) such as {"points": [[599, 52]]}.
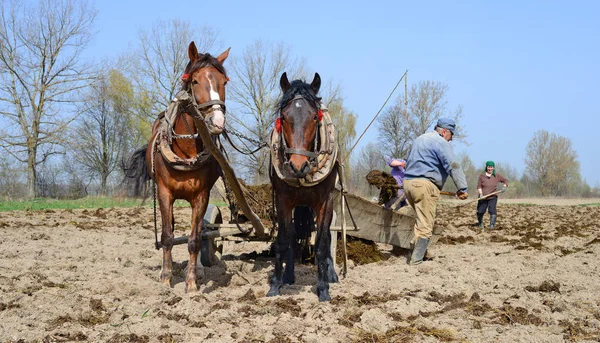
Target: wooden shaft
{"points": [[203, 132], [483, 197], [343, 223]]}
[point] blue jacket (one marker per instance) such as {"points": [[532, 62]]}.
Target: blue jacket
{"points": [[431, 157]]}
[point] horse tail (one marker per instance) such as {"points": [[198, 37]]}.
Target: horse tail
{"points": [[136, 171], [304, 223]]}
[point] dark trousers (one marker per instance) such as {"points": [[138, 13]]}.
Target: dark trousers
{"points": [[487, 204]]}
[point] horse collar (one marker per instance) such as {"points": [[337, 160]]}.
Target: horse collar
{"points": [[322, 161]]}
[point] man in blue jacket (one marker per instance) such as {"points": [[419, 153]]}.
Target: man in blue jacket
{"points": [[430, 161]]}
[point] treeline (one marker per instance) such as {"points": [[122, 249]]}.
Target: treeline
{"points": [[551, 170], [67, 123]]}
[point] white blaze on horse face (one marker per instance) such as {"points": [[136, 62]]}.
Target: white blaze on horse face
{"points": [[298, 104], [218, 118]]}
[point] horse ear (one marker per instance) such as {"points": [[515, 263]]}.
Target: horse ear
{"points": [[222, 57], [192, 51], [284, 82], [316, 83]]}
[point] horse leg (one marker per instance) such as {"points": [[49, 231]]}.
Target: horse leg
{"points": [[288, 271], [199, 205], [166, 238], [282, 250], [325, 268]]}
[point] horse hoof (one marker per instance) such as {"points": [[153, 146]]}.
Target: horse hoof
{"points": [[191, 289], [324, 295], [273, 291], [289, 280], [332, 277], [165, 280]]}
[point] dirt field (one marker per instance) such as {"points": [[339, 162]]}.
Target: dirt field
{"points": [[93, 276]]}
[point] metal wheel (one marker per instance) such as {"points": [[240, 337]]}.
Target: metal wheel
{"points": [[208, 247]]}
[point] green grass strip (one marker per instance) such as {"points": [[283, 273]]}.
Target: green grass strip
{"points": [[38, 204]]}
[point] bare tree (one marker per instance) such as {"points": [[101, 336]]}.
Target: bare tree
{"points": [[40, 74], [12, 181], [516, 188], [343, 119], [255, 88], [552, 164], [400, 124], [101, 135], [160, 57]]}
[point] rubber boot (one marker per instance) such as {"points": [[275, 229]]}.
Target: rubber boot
{"points": [[480, 220], [492, 221], [419, 251]]}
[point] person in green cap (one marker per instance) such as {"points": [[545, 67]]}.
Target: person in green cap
{"points": [[486, 184]]}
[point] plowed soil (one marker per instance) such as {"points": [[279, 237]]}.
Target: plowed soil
{"points": [[92, 275]]}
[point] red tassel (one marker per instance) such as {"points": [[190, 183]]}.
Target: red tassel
{"points": [[278, 125], [184, 77], [320, 115]]}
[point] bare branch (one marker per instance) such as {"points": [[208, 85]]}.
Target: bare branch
{"points": [[399, 125], [40, 53]]}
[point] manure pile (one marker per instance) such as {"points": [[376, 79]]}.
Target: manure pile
{"points": [[387, 185]]}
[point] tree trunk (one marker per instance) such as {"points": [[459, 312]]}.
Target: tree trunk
{"points": [[103, 184], [31, 172]]}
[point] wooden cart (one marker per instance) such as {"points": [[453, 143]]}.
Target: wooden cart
{"points": [[373, 222]]}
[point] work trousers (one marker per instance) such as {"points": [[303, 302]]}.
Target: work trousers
{"points": [[487, 204], [422, 195]]}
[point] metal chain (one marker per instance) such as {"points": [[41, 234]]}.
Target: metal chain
{"points": [[242, 136], [187, 125]]}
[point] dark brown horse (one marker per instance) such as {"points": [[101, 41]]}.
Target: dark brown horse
{"points": [[302, 188], [204, 81]]}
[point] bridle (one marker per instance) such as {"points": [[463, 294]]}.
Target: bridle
{"points": [[206, 109], [202, 113], [283, 146]]}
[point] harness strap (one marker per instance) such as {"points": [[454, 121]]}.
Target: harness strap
{"points": [[325, 158], [302, 152], [166, 134], [210, 103]]}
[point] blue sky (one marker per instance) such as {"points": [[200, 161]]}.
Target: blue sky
{"points": [[515, 66]]}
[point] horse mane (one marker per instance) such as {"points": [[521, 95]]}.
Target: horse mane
{"points": [[203, 61], [298, 87]]}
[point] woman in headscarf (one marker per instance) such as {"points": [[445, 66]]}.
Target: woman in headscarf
{"points": [[486, 184]]}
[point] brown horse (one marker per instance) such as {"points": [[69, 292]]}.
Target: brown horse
{"points": [[303, 173], [192, 178]]}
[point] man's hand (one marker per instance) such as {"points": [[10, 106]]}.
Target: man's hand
{"points": [[462, 195], [479, 195]]}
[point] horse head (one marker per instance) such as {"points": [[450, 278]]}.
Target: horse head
{"points": [[205, 78], [298, 123]]}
